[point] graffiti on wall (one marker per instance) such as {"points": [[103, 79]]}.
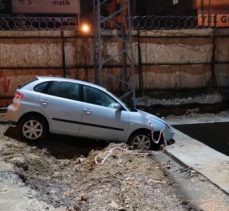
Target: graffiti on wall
{"points": [[4, 83]]}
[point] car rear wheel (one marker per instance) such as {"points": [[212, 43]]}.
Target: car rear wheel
{"points": [[33, 128], [141, 141]]}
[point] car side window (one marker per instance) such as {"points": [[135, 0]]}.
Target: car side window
{"points": [[41, 87], [98, 97], [66, 90]]}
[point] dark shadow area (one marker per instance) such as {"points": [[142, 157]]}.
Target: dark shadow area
{"points": [[68, 147], [162, 110], [215, 135], [62, 147]]}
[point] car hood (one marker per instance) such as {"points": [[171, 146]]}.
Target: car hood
{"points": [[157, 122]]}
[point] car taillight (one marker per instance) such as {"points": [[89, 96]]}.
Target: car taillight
{"points": [[18, 96]]}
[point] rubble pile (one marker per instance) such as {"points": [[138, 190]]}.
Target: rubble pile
{"points": [[114, 178]]}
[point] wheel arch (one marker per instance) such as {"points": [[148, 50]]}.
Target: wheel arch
{"points": [[35, 114], [141, 130]]}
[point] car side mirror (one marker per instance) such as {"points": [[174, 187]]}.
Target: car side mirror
{"points": [[117, 106]]}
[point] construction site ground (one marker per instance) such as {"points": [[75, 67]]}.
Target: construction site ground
{"points": [[66, 173]]}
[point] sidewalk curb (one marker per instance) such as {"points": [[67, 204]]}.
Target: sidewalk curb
{"points": [[179, 161], [192, 190]]}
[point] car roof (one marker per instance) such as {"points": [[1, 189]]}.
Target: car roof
{"points": [[50, 78], [46, 78]]}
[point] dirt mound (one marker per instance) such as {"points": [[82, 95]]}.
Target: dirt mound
{"points": [[114, 178]]}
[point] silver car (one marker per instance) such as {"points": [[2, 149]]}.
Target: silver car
{"points": [[72, 107]]}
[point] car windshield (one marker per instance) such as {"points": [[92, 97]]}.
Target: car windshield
{"points": [[129, 105]]}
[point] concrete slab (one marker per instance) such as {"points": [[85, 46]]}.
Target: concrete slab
{"points": [[194, 189], [205, 160]]}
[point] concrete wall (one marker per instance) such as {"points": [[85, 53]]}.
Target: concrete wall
{"points": [[178, 59]]}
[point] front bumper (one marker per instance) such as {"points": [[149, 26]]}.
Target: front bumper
{"points": [[163, 135], [168, 134]]}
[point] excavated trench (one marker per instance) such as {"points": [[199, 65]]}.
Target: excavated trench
{"points": [[63, 147], [212, 134], [178, 110]]}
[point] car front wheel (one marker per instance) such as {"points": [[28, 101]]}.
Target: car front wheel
{"points": [[33, 128], [141, 141]]}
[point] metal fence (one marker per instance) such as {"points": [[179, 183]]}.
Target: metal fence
{"points": [[165, 22], [38, 23], [76, 57], [67, 23]]}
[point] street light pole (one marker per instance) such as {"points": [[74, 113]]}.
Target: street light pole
{"points": [[97, 43]]}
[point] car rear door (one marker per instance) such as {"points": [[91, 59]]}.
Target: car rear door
{"points": [[99, 117], [59, 102]]}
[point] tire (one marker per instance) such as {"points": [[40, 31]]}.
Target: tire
{"points": [[141, 141], [33, 128]]}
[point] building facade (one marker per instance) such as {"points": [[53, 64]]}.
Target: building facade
{"points": [[149, 7], [212, 12]]}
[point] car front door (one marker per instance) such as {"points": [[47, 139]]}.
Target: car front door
{"points": [[99, 117], [59, 102]]}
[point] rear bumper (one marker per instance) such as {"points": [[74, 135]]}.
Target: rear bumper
{"points": [[12, 123], [12, 114]]}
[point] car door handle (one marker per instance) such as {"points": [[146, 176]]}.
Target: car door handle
{"points": [[44, 102], [87, 111]]}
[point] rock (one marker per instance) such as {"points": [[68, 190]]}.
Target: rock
{"points": [[114, 205], [20, 163], [56, 174], [64, 163], [84, 198], [80, 159]]}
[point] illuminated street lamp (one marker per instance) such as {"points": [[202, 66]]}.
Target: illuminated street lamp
{"points": [[85, 28]]}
